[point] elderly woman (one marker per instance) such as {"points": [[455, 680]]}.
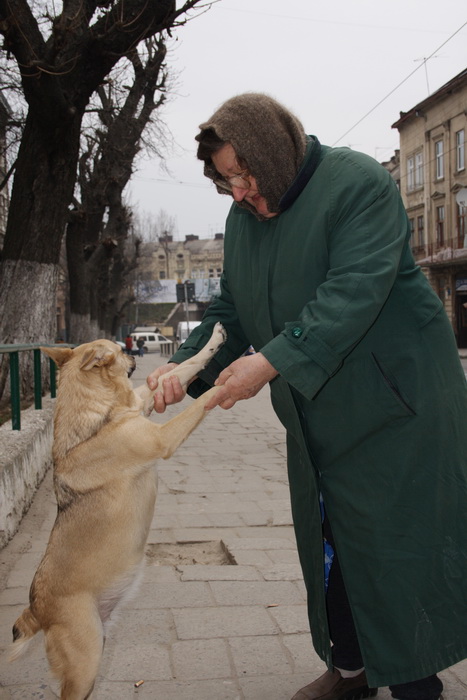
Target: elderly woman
{"points": [[365, 376]]}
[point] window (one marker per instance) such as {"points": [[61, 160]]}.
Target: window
{"points": [[460, 150], [439, 160], [419, 169], [421, 230], [439, 226], [461, 226], [162, 274], [412, 231], [410, 174]]}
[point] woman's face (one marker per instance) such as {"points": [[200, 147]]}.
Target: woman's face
{"points": [[226, 164]]}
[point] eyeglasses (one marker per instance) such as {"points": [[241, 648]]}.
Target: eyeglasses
{"points": [[240, 180]]}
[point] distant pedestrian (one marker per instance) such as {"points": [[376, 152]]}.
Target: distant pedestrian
{"points": [[140, 346], [128, 344]]}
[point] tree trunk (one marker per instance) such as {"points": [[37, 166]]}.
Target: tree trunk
{"points": [[29, 315], [31, 253]]}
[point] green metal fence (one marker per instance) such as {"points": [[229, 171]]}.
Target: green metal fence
{"points": [[15, 401]]}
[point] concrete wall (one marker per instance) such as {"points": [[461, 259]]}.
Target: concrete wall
{"points": [[25, 456]]}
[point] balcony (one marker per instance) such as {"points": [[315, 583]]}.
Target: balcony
{"points": [[452, 249]]}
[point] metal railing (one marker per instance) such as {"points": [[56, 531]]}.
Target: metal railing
{"points": [[168, 349], [15, 398]]}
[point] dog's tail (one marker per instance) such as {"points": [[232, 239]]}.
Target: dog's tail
{"points": [[24, 629]]}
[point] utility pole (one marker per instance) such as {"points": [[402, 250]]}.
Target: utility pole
{"points": [[185, 285]]}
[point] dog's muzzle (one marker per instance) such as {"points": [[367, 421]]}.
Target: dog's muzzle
{"points": [[132, 367]]}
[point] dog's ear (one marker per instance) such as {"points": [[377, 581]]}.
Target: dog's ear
{"points": [[58, 355], [97, 356]]}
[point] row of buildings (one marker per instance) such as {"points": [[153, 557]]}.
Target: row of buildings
{"points": [[431, 172]]}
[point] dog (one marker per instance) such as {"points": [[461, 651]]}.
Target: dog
{"points": [[104, 451]]}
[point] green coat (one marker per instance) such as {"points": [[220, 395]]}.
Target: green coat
{"points": [[374, 401]]}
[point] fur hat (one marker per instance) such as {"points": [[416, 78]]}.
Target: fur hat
{"points": [[263, 133]]}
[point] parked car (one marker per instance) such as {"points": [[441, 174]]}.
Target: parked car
{"points": [[152, 341], [184, 329]]}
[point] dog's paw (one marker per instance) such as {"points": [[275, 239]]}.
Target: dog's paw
{"points": [[219, 336]]}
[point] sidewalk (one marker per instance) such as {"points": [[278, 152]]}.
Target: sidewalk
{"points": [[221, 614]]}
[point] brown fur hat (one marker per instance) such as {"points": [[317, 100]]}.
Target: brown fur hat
{"points": [[265, 135]]}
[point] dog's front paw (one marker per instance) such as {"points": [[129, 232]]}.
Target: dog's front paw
{"points": [[219, 336]]}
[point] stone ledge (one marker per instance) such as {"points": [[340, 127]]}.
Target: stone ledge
{"points": [[25, 457]]}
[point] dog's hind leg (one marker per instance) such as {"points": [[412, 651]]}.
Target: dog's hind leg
{"points": [[74, 650]]}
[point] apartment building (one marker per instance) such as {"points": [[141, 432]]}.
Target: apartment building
{"points": [[193, 258], [433, 184]]}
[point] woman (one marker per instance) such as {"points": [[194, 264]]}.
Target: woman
{"points": [[366, 378]]}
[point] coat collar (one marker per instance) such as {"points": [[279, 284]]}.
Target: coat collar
{"points": [[310, 163]]}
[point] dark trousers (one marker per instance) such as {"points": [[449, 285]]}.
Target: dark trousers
{"points": [[345, 648]]}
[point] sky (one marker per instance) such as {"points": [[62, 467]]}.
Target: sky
{"points": [[346, 68]]}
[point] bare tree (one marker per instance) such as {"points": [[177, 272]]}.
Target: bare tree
{"points": [[99, 222], [63, 59]]}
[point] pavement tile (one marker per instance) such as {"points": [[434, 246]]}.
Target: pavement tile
{"points": [[225, 519], [284, 556], [258, 655], [218, 573], [134, 628], [255, 593], [172, 594], [151, 663], [211, 623], [251, 557], [219, 689], [291, 618], [14, 596], [201, 659], [282, 572]]}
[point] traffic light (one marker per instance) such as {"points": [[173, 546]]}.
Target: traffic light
{"points": [[190, 292]]}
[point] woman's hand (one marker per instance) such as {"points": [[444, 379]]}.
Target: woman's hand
{"points": [[242, 380], [171, 390]]}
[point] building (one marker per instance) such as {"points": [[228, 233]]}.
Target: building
{"points": [[189, 259], [393, 166], [433, 185]]}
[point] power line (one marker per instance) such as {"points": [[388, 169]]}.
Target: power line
{"points": [[398, 86], [317, 20]]}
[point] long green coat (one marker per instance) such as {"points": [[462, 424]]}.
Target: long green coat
{"points": [[374, 400]]}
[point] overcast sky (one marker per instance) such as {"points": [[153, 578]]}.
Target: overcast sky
{"points": [[331, 63]]}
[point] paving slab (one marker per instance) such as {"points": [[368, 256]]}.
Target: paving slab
{"points": [[197, 630]]}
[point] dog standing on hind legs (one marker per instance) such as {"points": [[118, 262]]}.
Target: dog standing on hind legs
{"points": [[104, 451]]}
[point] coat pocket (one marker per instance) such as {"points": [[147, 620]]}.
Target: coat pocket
{"points": [[392, 386]]}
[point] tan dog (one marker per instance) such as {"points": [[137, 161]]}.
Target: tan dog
{"points": [[104, 451]]}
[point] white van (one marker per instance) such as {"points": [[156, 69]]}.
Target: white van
{"points": [[152, 341], [184, 329]]}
